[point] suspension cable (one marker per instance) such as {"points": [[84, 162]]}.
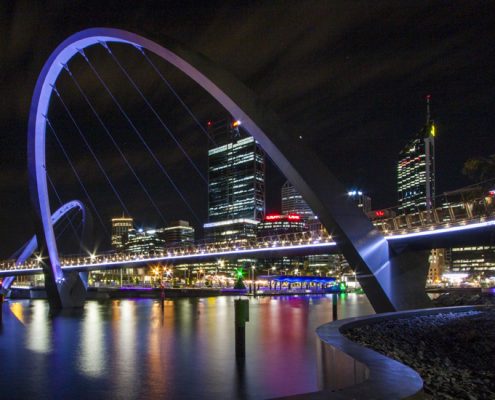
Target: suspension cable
{"points": [[124, 207], [107, 131], [171, 88], [136, 131], [90, 200], [150, 106]]}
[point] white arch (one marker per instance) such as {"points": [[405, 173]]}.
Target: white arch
{"points": [[359, 241]]}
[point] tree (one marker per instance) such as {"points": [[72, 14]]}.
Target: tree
{"points": [[480, 169]]}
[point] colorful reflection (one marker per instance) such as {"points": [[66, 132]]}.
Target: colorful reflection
{"points": [[177, 349]]}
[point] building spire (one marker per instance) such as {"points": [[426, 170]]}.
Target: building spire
{"points": [[428, 98]]}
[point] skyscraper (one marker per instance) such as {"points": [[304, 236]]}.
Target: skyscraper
{"points": [[362, 200], [144, 241], [178, 233], [293, 202], [416, 169], [120, 231], [236, 183]]}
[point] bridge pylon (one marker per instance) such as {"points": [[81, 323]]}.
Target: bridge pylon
{"points": [[66, 292]]}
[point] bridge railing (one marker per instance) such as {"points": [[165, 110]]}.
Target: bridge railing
{"points": [[479, 209], [476, 210], [200, 247]]}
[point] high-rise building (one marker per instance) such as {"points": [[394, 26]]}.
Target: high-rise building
{"points": [[236, 183], [178, 233], [293, 202], [362, 200], [120, 230], [437, 262], [416, 169], [144, 241], [276, 224]]}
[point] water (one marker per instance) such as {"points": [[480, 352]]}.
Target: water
{"points": [[134, 349]]}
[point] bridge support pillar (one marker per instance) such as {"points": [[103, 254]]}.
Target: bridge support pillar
{"points": [[409, 271], [68, 292]]}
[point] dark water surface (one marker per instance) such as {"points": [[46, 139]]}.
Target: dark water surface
{"points": [[135, 349]]}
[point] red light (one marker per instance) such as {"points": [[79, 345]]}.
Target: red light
{"points": [[380, 213], [278, 217], [209, 123], [491, 193]]}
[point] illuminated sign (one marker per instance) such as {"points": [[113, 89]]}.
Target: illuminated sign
{"points": [[278, 217], [379, 213]]}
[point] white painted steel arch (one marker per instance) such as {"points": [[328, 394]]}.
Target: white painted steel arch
{"points": [[356, 237], [31, 246]]}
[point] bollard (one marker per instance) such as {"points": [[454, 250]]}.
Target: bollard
{"points": [[241, 317], [334, 307]]}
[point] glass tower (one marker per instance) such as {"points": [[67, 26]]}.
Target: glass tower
{"points": [[416, 170], [120, 231], [236, 183], [293, 202]]}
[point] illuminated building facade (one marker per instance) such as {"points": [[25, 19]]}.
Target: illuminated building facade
{"points": [[473, 260], [178, 233], [276, 224], [436, 269], [236, 183], [362, 201], [144, 241], [416, 170], [120, 229], [293, 202]]}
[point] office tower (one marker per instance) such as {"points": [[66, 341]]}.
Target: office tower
{"points": [[178, 233], [293, 202], [236, 183], [362, 201], [276, 224], [144, 241], [437, 262], [416, 169], [120, 229]]}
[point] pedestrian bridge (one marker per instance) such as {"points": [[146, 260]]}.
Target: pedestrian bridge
{"points": [[463, 223]]}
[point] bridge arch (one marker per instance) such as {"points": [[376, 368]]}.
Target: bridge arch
{"points": [[30, 247], [362, 245]]}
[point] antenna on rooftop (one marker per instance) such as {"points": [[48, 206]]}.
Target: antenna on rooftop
{"points": [[428, 98]]}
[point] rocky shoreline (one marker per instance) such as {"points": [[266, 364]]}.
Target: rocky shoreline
{"points": [[453, 352]]}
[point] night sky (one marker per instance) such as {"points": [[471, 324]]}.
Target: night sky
{"points": [[350, 77]]}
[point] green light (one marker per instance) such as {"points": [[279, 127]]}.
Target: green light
{"points": [[239, 273], [342, 286]]}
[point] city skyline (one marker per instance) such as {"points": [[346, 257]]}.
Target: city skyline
{"points": [[335, 118]]}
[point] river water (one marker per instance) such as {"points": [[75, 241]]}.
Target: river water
{"points": [[135, 349]]}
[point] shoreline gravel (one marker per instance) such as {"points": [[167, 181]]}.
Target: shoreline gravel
{"points": [[453, 352]]}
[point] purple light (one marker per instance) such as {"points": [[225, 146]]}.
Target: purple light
{"points": [[196, 255], [442, 230]]}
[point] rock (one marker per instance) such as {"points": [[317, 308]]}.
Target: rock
{"points": [[453, 352]]}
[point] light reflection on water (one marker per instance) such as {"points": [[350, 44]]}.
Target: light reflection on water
{"points": [[134, 349]]}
